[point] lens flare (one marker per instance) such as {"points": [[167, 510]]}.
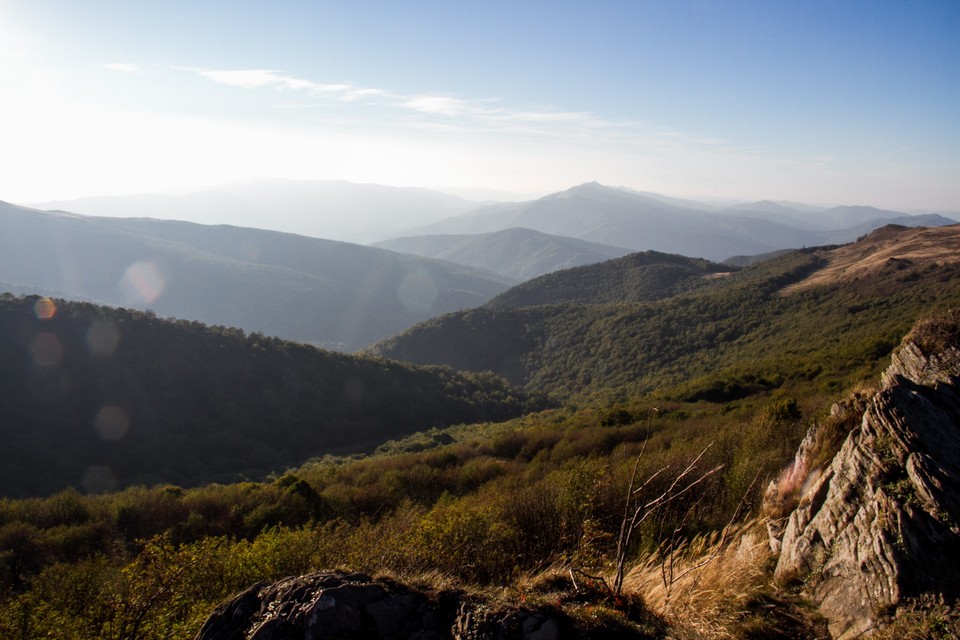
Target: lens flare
{"points": [[111, 423], [98, 479], [44, 308], [102, 337], [142, 282], [46, 350], [353, 388], [249, 251], [417, 292]]}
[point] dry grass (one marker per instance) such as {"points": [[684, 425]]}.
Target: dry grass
{"points": [[929, 618], [706, 588], [885, 249], [937, 334]]}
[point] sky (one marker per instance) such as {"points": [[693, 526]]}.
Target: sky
{"points": [[824, 102]]}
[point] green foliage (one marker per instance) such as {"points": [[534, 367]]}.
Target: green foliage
{"points": [[723, 339], [638, 277], [483, 504], [102, 398]]}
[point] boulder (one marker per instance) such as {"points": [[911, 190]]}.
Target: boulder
{"points": [[327, 605], [353, 605]]}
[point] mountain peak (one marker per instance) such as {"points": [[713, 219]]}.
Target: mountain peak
{"points": [[762, 206], [586, 188]]}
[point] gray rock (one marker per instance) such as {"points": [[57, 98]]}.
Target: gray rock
{"points": [[326, 605], [879, 525], [343, 605]]}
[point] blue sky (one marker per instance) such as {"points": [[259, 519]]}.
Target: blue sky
{"points": [[825, 102]]}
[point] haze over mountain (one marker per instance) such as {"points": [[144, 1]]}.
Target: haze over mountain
{"points": [[331, 209], [615, 217], [668, 363], [622, 217], [518, 254], [321, 291]]}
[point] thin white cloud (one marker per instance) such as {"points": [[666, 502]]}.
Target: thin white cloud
{"points": [[356, 94], [273, 79], [489, 112], [480, 110], [125, 67], [439, 105], [483, 117]]}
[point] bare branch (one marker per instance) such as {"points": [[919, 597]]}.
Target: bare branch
{"points": [[634, 515]]}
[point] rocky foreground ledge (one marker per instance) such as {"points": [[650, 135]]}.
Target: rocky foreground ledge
{"points": [[878, 526], [354, 605]]}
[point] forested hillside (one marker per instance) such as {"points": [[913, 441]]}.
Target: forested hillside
{"points": [[99, 398], [638, 277], [707, 338]]}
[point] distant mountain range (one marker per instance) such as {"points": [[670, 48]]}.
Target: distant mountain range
{"points": [[625, 218], [438, 225], [331, 209], [320, 291], [518, 254], [346, 296]]}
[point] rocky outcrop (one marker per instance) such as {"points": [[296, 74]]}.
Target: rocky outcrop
{"points": [[353, 605], [327, 605], [880, 523]]}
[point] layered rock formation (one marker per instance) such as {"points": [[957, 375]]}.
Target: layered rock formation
{"points": [[880, 523]]}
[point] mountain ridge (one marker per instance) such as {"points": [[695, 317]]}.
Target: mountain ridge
{"points": [[333, 209], [323, 291], [637, 221], [517, 253]]}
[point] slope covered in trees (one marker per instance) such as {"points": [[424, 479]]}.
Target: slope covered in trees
{"points": [[493, 505], [98, 398], [638, 277], [483, 504], [709, 337]]}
